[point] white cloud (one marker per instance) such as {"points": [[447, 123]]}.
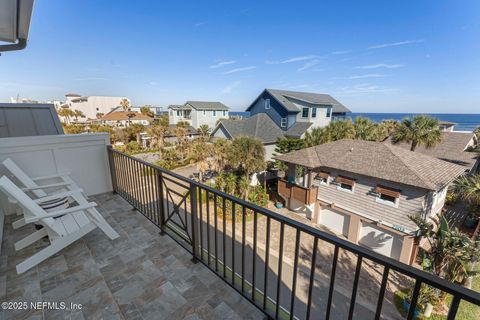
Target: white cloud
{"points": [[364, 76], [240, 69], [396, 44], [229, 88], [294, 59], [365, 88], [341, 52], [308, 65], [199, 24], [380, 65], [221, 64]]}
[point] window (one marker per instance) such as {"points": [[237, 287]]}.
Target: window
{"points": [[179, 113], [314, 112], [204, 112], [224, 113], [283, 122], [323, 177], [345, 184], [305, 112], [267, 103], [214, 113], [387, 195], [98, 109], [329, 112]]}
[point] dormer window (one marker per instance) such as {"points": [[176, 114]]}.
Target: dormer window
{"points": [[267, 103], [387, 195], [283, 122], [323, 177], [345, 183]]}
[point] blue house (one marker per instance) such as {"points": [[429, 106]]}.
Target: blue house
{"points": [[280, 113]]}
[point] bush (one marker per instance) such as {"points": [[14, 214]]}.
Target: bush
{"points": [[132, 147], [451, 198]]}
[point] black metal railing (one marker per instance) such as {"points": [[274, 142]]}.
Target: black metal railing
{"points": [[285, 268]]}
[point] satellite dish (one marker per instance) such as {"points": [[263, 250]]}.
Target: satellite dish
{"points": [[15, 17]]}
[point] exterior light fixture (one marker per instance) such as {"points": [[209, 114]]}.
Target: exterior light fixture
{"points": [[15, 16]]}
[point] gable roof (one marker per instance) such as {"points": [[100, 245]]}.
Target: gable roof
{"points": [[282, 96], [179, 107], [207, 105], [452, 148], [259, 126], [123, 115], [378, 160]]}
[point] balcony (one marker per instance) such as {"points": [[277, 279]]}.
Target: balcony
{"points": [[189, 251], [296, 192]]}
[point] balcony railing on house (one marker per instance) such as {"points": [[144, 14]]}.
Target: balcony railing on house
{"points": [[294, 191], [248, 247]]}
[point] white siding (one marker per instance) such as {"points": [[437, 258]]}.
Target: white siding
{"points": [[94, 105], [363, 200], [334, 220]]}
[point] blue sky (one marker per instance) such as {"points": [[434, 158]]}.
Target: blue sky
{"points": [[373, 56]]}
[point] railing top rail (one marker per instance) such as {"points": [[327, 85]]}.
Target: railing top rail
{"points": [[427, 278]]}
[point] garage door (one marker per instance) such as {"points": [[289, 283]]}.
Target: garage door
{"points": [[380, 240], [335, 221]]}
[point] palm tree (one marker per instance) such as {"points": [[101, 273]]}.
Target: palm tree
{"points": [[422, 130], [468, 188], [78, 113], [136, 129], [145, 110], [66, 113], [99, 115], [204, 131], [221, 151], [365, 129], [248, 154], [230, 183], [451, 253], [157, 134], [180, 133], [341, 129], [130, 115], [125, 104], [200, 152], [317, 136]]}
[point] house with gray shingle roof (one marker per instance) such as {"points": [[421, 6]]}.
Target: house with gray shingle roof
{"points": [[197, 113], [278, 114], [365, 191]]}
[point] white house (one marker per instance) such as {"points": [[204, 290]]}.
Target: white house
{"points": [[122, 118], [91, 106], [197, 113]]}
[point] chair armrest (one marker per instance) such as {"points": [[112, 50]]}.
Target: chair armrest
{"points": [[62, 212], [59, 195], [52, 176], [47, 186]]}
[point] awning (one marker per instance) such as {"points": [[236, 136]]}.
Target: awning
{"points": [[15, 16]]}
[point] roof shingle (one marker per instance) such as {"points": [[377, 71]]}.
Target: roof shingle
{"points": [[378, 160]]}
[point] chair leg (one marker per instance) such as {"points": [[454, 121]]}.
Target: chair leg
{"points": [[19, 223], [34, 237], [56, 246]]}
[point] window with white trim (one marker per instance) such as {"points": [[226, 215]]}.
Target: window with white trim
{"points": [[323, 177], [314, 112], [283, 122], [214, 113], [387, 195], [329, 112], [204, 112], [345, 184], [267, 103]]}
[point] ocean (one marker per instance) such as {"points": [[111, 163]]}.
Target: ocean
{"points": [[464, 122]]}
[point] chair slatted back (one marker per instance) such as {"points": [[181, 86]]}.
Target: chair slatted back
{"points": [[24, 178]]}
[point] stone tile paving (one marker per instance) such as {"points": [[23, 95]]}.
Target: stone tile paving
{"points": [[140, 275]]}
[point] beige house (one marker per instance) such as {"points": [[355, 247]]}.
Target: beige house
{"points": [[365, 191]]}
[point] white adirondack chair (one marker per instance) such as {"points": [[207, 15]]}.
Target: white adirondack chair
{"points": [[39, 189], [62, 227], [35, 185]]}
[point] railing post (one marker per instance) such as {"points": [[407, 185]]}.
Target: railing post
{"points": [[161, 201], [194, 218], [112, 168]]}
